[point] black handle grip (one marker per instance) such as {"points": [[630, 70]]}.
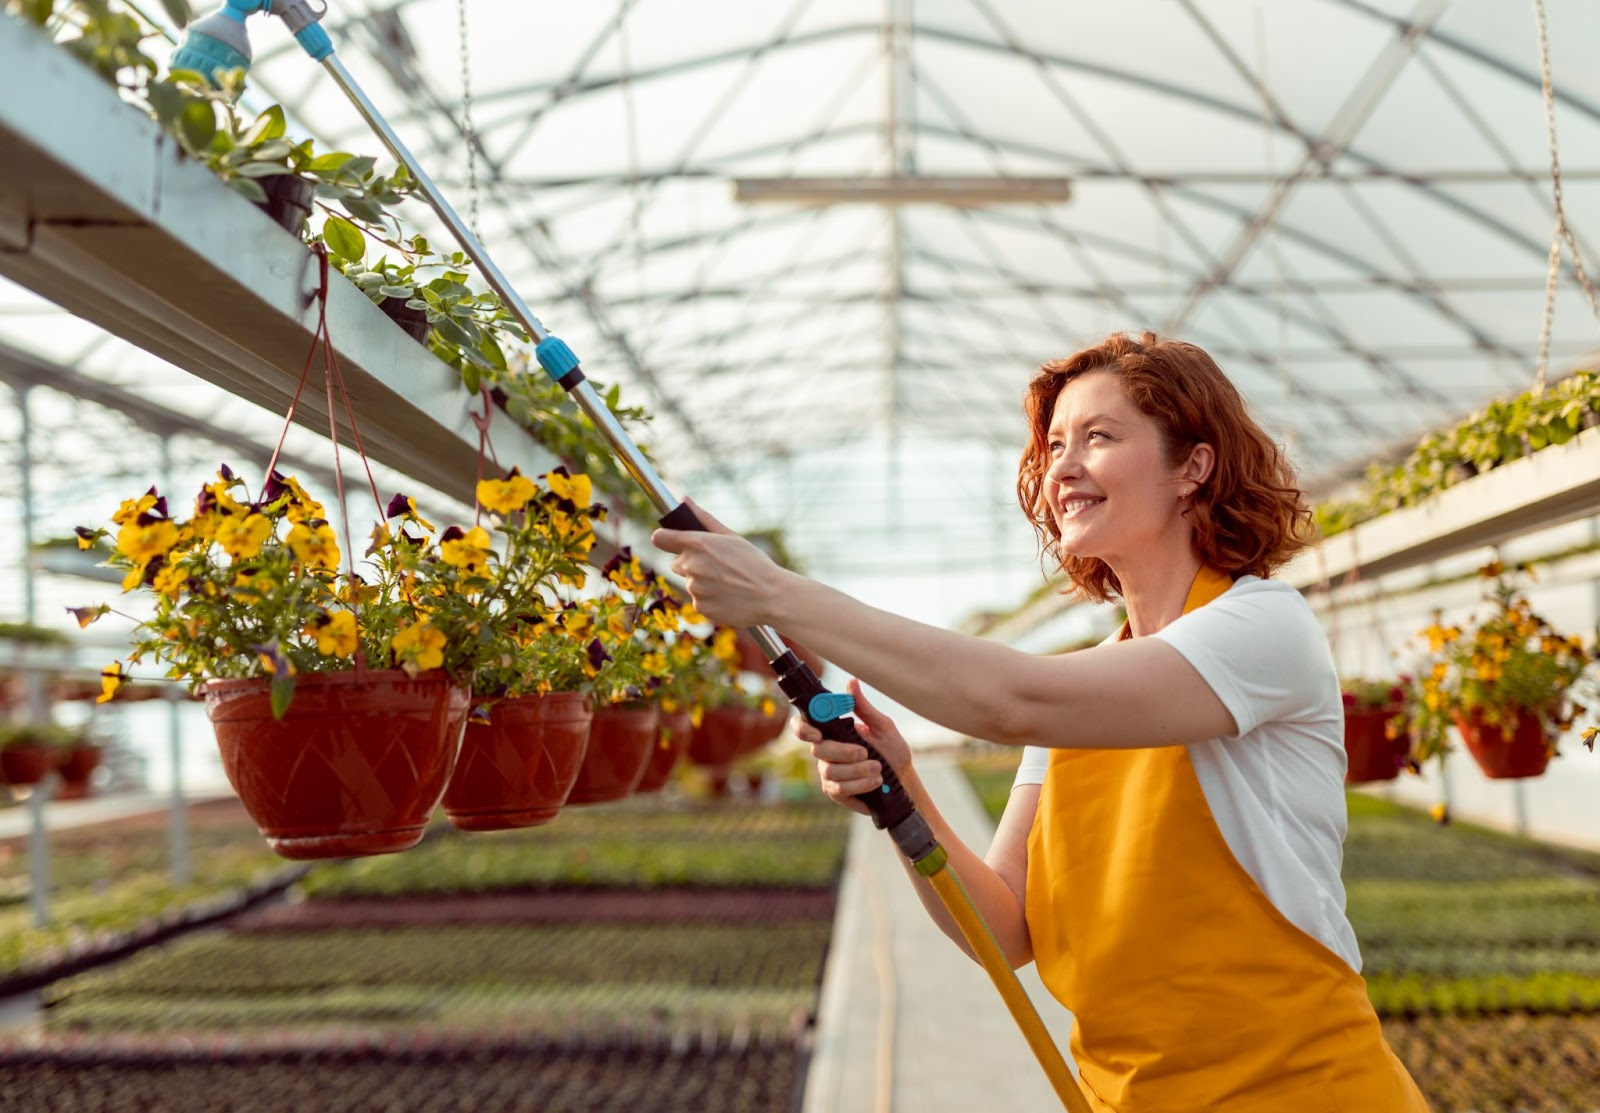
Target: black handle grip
{"points": [[891, 803]]}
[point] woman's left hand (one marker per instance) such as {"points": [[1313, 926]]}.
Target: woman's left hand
{"points": [[730, 580]]}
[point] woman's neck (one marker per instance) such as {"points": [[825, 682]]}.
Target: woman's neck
{"points": [[1156, 588]]}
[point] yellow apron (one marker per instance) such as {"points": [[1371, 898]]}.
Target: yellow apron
{"points": [[1190, 991]]}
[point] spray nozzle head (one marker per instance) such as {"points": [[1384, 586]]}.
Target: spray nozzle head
{"points": [[213, 42]]}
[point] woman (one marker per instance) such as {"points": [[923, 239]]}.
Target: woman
{"points": [[1170, 852]]}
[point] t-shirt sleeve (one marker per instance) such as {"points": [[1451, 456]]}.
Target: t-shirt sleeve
{"points": [[1261, 650], [1035, 760]]}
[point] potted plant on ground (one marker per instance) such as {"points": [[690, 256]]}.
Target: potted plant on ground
{"points": [[1506, 679], [336, 725], [527, 668], [1375, 745]]}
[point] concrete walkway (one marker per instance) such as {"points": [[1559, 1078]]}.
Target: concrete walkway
{"points": [[59, 815], [907, 1023]]}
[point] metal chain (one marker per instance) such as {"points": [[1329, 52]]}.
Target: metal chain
{"points": [[1562, 233], [467, 131]]}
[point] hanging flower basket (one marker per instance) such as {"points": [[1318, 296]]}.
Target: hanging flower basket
{"points": [[1376, 739], [671, 741], [355, 766], [77, 766], [764, 726], [621, 739], [1506, 753], [719, 738], [28, 763], [517, 769]]}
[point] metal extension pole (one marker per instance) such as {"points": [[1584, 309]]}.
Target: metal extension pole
{"points": [[891, 808]]}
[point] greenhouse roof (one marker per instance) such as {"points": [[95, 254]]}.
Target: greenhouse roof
{"points": [[1347, 202]]}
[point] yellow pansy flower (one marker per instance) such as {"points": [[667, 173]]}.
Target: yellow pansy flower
{"points": [[505, 496], [111, 679], [144, 542], [576, 489], [419, 647], [170, 580], [335, 634], [469, 552], [313, 544], [242, 538]]}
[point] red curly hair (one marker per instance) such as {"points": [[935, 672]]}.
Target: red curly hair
{"points": [[1249, 517]]}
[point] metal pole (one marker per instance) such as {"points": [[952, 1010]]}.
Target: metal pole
{"points": [[178, 809], [38, 708]]}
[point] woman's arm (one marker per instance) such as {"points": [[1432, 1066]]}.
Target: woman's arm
{"points": [[1135, 693]]}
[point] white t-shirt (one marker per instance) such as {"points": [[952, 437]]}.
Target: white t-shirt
{"points": [[1276, 788]]}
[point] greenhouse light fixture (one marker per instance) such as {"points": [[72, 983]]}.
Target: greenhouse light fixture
{"points": [[904, 189]]}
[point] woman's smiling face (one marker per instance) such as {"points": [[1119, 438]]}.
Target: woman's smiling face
{"points": [[1109, 485]]}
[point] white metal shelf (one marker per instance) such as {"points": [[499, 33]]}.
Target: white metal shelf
{"points": [[1548, 488], [101, 215]]}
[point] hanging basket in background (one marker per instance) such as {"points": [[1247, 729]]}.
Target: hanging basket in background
{"points": [[518, 768], [672, 741], [1510, 752], [355, 766]]}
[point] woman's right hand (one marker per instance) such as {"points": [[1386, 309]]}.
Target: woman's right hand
{"points": [[844, 767]]}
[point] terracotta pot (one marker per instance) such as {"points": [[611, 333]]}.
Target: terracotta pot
{"points": [[671, 741], [720, 736], [764, 728], [621, 739], [78, 763], [1373, 756], [413, 321], [517, 769], [355, 766], [28, 763], [1503, 755], [288, 202]]}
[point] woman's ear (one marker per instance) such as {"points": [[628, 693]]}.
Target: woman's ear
{"points": [[1198, 467]]}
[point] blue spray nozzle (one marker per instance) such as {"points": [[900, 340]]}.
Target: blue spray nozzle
{"points": [[216, 41], [825, 706]]}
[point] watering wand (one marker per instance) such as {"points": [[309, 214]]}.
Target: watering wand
{"points": [[220, 41]]}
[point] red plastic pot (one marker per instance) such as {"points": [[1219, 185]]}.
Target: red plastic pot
{"points": [[1373, 755], [672, 739], [1506, 755], [355, 766], [620, 741], [719, 738], [517, 769], [77, 766], [28, 763], [763, 728]]}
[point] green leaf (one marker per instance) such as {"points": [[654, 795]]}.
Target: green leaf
{"points": [[492, 352], [166, 101], [197, 124], [343, 238], [360, 167], [273, 150], [260, 170], [250, 188], [269, 125], [281, 691], [395, 291], [363, 209], [330, 162], [178, 11], [471, 378]]}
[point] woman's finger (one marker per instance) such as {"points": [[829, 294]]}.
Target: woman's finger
{"points": [[838, 753], [853, 780]]}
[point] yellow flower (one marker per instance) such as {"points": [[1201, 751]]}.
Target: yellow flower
{"points": [[469, 552], [725, 645], [617, 624], [171, 580], [242, 538], [1440, 813], [419, 647], [576, 489], [314, 544], [131, 508], [504, 496], [1589, 736], [111, 679], [577, 623], [142, 543], [335, 634], [654, 662]]}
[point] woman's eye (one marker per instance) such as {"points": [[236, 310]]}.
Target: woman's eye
{"points": [[1056, 447], [1093, 433]]}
